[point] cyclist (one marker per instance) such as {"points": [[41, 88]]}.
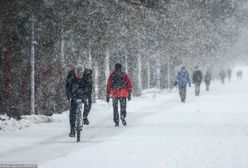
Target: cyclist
{"points": [[79, 86]]}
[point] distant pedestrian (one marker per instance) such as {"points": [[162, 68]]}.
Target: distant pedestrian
{"points": [[182, 79], [229, 74], [207, 80], [239, 74], [197, 79], [222, 76], [119, 86]]}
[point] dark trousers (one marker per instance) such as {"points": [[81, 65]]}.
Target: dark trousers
{"points": [[123, 105], [197, 89], [73, 109], [182, 93]]}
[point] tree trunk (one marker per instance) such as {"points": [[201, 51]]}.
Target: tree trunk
{"points": [[126, 61], [107, 66], [32, 111], [158, 73], [139, 73], [168, 71], [148, 75], [95, 76], [62, 54]]}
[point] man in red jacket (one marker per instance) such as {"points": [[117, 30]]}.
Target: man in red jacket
{"points": [[119, 87]]}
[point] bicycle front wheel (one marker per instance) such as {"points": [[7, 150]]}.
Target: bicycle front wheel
{"points": [[78, 131]]}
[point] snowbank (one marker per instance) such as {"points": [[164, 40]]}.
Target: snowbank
{"points": [[10, 124]]}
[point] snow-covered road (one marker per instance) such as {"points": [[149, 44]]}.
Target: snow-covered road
{"points": [[206, 131]]}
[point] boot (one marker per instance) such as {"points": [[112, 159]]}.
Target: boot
{"points": [[116, 124], [86, 121], [124, 123], [72, 133]]}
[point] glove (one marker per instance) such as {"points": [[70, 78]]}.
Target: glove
{"points": [[175, 83], [129, 97], [189, 84], [68, 96], [107, 99]]}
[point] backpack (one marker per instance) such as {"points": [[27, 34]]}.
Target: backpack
{"points": [[118, 80]]}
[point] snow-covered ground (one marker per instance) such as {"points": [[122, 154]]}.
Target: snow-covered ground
{"points": [[210, 131]]}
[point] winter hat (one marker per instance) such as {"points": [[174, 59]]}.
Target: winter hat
{"points": [[79, 69], [118, 66]]}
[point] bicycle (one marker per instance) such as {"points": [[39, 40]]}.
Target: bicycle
{"points": [[79, 120]]}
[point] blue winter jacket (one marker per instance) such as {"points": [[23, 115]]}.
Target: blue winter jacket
{"points": [[182, 78]]}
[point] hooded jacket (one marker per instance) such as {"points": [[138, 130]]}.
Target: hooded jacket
{"points": [[119, 85], [182, 78]]}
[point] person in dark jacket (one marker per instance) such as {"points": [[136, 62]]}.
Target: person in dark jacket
{"points": [[197, 79], [207, 80], [119, 87], [182, 79], [79, 86]]}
